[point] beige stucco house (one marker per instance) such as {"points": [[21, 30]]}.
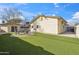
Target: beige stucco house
{"points": [[48, 24], [10, 26], [41, 23]]}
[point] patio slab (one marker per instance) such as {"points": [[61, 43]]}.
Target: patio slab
{"points": [[2, 33], [68, 34]]}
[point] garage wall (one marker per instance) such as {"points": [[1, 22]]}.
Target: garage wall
{"points": [[46, 25]]}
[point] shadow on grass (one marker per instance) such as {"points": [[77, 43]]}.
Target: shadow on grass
{"points": [[10, 45]]}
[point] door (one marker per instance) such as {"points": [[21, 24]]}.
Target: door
{"points": [[14, 29]]}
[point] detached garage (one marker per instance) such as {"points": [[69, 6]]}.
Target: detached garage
{"points": [[49, 24]]}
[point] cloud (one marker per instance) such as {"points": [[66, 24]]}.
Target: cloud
{"points": [[12, 5], [74, 19], [71, 22], [28, 15], [2, 10], [56, 5], [53, 14], [3, 7], [19, 4], [76, 16], [66, 5], [7, 6]]}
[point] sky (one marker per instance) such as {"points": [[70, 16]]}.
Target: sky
{"points": [[69, 11]]}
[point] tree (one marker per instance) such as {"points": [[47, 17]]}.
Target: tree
{"points": [[11, 14]]}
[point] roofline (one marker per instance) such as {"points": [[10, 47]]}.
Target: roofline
{"points": [[5, 24], [58, 17]]}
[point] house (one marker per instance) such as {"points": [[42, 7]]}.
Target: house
{"points": [[48, 24], [70, 28], [77, 30], [10, 26], [13, 25]]}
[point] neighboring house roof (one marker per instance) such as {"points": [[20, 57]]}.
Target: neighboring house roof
{"points": [[5, 24], [58, 17], [77, 25], [12, 21], [16, 22]]}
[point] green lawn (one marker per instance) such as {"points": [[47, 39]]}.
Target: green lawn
{"points": [[39, 44]]}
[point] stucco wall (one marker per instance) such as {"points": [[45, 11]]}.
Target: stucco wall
{"points": [[4, 28], [61, 26], [8, 28], [47, 25]]}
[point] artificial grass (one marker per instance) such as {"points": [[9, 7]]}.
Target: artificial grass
{"points": [[39, 44]]}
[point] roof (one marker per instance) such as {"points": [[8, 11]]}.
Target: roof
{"points": [[11, 22], [57, 17], [5, 24], [14, 20]]}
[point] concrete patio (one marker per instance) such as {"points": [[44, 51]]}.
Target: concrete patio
{"points": [[68, 34], [2, 33]]}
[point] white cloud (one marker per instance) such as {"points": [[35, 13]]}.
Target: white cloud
{"points": [[66, 5], [71, 22], [56, 5], [19, 4], [3, 7], [74, 19], [14, 5], [76, 16], [53, 14], [39, 13], [28, 15]]}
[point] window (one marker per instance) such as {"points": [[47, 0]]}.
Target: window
{"points": [[3, 21], [41, 18], [32, 26], [27, 22], [62, 22], [13, 29], [38, 26]]}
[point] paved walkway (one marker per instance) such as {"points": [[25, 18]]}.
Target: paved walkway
{"points": [[2, 33], [68, 34]]}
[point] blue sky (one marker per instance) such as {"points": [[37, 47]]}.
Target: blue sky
{"points": [[69, 11]]}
